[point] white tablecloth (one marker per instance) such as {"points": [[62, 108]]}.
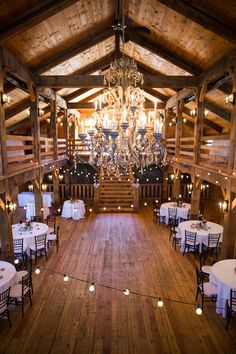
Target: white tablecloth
{"points": [[224, 276], [30, 211], [38, 229], [28, 197], [9, 275], [181, 211], [202, 235], [75, 210]]}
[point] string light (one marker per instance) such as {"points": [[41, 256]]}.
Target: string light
{"points": [[16, 261], [198, 310], [37, 270], [145, 204], [126, 292], [159, 302], [90, 210], [65, 277], [92, 288]]}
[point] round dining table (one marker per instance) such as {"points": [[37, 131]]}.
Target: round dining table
{"points": [[202, 233], [182, 211], [223, 274], [28, 234], [8, 276], [73, 209]]}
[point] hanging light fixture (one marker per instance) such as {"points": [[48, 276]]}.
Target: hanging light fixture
{"points": [[124, 137]]}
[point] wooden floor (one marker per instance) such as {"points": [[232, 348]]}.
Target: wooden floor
{"points": [[122, 251]]}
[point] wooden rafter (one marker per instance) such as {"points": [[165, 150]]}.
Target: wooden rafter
{"points": [[32, 16], [90, 105], [163, 52], [203, 17], [78, 48], [98, 81]]}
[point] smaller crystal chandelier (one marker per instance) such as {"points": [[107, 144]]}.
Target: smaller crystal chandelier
{"points": [[124, 137]]}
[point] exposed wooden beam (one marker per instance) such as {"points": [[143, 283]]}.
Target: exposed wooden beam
{"points": [[203, 17], [163, 52], [207, 122], [91, 97], [98, 81], [12, 65], [220, 68], [217, 110], [11, 112], [180, 95], [90, 105], [78, 48], [32, 16]]}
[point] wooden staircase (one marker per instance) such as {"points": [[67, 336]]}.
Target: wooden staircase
{"points": [[116, 194]]}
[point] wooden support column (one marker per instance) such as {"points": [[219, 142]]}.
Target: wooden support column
{"points": [[198, 126], [6, 221], [165, 185], [96, 199], [38, 196], [67, 183], [176, 184], [229, 239], [136, 192], [196, 194], [179, 127], [54, 127], [66, 128], [56, 188], [166, 125]]}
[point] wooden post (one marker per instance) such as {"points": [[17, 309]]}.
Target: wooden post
{"points": [[66, 129], [67, 183], [179, 125], [165, 185], [136, 192], [198, 126], [96, 199], [54, 127], [56, 188], [230, 217], [176, 184], [6, 222], [38, 196], [195, 194]]}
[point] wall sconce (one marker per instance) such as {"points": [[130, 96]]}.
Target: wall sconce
{"points": [[30, 187], [10, 206], [58, 120], [28, 112], [44, 187], [40, 112], [230, 99], [193, 112], [184, 120], [172, 176], [60, 177], [5, 98], [50, 177], [224, 206]]}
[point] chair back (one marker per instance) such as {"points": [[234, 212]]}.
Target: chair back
{"points": [[200, 280], [26, 281], [213, 240], [40, 242], [232, 303], [4, 300], [51, 222], [190, 237], [18, 245], [182, 219], [172, 213], [58, 228]]}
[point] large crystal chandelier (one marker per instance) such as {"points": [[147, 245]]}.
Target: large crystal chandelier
{"points": [[124, 137]]}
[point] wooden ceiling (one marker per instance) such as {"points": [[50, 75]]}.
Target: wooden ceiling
{"points": [[64, 37]]}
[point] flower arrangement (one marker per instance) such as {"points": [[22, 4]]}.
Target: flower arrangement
{"points": [[28, 223]]}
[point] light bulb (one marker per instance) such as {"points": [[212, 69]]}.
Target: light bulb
{"points": [[92, 288], [65, 278], [145, 204], [90, 210], [198, 310], [159, 302], [37, 270], [126, 292], [16, 261]]}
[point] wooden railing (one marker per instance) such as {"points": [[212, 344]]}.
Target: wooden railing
{"points": [[20, 153], [46, 149], [214, 151], [61, 145], [83, 147], [80, 191], [186, 148]]}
